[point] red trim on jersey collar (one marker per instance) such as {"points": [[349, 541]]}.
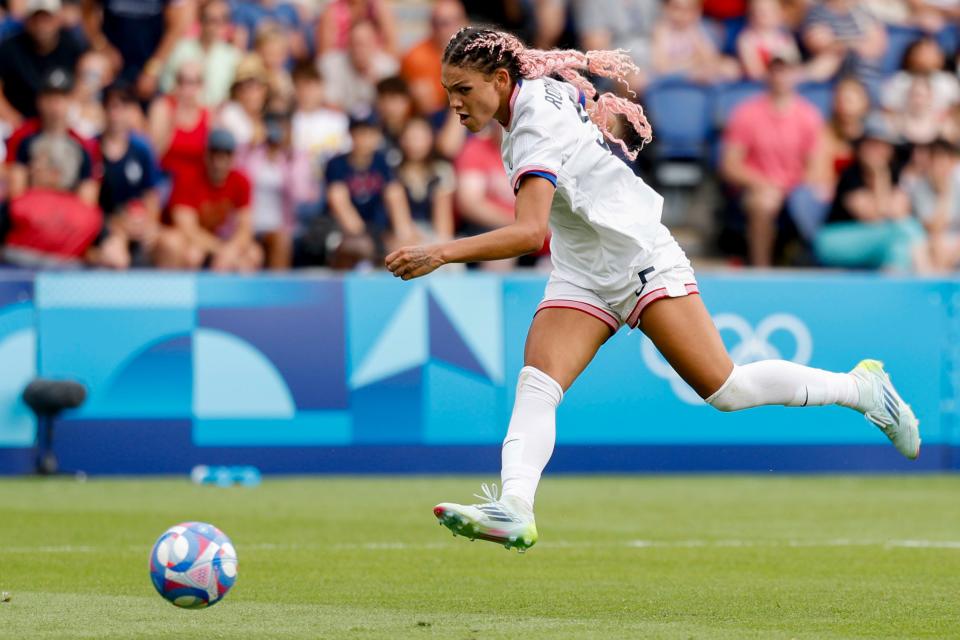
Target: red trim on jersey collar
{"points": [[513, 99]]}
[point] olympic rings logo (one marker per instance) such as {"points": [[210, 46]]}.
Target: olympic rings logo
{"points": [[753, 345]]}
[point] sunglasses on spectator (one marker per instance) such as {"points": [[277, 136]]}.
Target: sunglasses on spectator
{"points": [[189, 80], [223, 18]]}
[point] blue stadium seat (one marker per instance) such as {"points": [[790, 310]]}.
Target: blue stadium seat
{"points": [[898, 40], [680, 113], [820, 94]]}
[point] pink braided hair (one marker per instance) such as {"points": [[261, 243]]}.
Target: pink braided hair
{"points": [[570, 65]]}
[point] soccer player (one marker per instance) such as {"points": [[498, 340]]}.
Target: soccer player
{"points": [[614, 264]]}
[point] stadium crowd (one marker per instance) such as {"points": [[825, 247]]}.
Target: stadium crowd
{"points": [[238, 135]]}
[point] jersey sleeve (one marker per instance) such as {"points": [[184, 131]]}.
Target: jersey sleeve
{"points": [[535, 152]]}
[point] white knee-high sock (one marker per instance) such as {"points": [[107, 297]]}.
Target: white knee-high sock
{"points": [[533, 429], [784, 383]]}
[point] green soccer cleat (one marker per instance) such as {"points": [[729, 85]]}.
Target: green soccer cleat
{"points": [[504, 520], [886, 409]]}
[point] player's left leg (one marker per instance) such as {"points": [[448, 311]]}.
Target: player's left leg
{"points": [[683, 331], [560, 344]]}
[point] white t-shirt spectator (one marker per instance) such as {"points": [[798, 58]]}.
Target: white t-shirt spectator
{"points": [[944, 86], [346, 88]]}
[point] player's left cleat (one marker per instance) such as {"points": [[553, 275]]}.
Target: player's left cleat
{"points": [[502, 520], [884, 407]]}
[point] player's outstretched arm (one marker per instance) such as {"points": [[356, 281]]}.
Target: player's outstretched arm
{"points": [[523, 236]]}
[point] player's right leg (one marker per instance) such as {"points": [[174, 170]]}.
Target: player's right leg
{"points": [[560, 344]]}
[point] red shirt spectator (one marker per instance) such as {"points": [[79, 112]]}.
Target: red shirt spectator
{"points": [[184, 156], [724, 9], [215, 204], [49, 225], [778, 143]]}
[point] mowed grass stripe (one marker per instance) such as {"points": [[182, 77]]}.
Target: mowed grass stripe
{"points": [[738, 557]]}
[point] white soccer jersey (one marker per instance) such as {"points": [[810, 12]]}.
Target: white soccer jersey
{"points": [[605, 220]]}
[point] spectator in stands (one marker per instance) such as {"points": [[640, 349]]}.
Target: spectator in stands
{"points": [[340, 17], [212, 47], [869, 225], [922, 59], [770, 149], [394, 108], [280, 177], [427, 180], [138, 36], [352, 75], [243, 114], [484, 198], [420, 67], [764, 38], [129, 196], [28, 57], [365, 199], [178, 124], [75, 167], [618, 24], [86, 114], [272, 44], [920, 121], [933, 15], [935, 201], [682, 46], [49, 225], [842, 36], [851, 105], [211, 221], [319, 132], [250, 15]]}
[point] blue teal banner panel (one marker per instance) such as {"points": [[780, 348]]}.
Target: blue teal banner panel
{"points": [[308, 373]]}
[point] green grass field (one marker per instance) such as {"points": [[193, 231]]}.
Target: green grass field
{"points": [[619, 557]]}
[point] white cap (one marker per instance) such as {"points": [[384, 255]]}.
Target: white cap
{"points": [[50, 6]]}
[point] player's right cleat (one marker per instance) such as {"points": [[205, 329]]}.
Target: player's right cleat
{"points": [[504, 521], [884, 407]]}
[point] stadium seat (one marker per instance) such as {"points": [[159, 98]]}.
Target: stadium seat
{"points": [[899, 40], [680, 114], [820, 94]]}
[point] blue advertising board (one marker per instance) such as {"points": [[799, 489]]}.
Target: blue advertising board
{"points": [[371, 374]]}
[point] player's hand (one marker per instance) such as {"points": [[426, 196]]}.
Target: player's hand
{"points": [[412, 262]]}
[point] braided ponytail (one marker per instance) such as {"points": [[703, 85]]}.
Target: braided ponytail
{"points": [[487, 50]]}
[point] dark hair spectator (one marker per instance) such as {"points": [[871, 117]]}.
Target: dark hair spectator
{"points": [[935, 201], [318, 131], [924, 59], [27, 58], [365, 199], [869, 225], [428, 181], [129, 196], [394, 108], [851, 105], [211, 224]]}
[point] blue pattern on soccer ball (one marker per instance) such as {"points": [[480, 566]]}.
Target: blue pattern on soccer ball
{"points": [[193, 565]]}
